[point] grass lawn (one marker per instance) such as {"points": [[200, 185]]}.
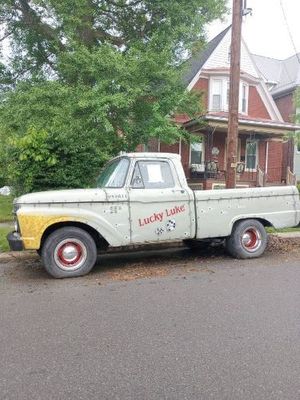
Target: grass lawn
{"points": [[273, 230], [3, 242], [6, 208]]}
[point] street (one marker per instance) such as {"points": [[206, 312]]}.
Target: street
{"points": [[160, 325]]}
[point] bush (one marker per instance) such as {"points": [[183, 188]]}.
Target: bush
{"points": [[49, 141]]}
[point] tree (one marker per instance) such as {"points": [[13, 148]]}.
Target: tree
{"points": [[105, 75]]}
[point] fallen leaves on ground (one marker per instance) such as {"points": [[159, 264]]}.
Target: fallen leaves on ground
{"points": [[283, 245]]}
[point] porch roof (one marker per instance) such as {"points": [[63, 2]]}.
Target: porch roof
{"points": [[246, 125]]}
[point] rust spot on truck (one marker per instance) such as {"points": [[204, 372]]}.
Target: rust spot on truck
{"points": [[32, 227]]}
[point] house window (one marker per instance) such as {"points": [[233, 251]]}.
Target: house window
{"points": [[251, 154], [197, 153], [227, 94], [216, 98], [244, 98], [298, 142]]}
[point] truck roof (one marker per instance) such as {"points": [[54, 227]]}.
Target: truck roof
{"points": [[151, 155]]}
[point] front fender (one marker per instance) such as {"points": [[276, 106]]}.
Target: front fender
{"points": [[34, 221]]}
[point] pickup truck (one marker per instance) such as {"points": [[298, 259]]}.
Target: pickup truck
{"points": [[144, 198]]}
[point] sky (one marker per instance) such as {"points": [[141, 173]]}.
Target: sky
{"points": [[266, 32]]}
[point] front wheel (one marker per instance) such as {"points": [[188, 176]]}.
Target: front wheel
{"points": [[69, 252], [248, 239]]}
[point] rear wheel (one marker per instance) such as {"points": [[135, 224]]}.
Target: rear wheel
{"points": [[247, 240], [69, 252]]}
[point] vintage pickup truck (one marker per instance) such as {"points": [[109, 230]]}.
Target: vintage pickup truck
{"points": [[144, 198]]}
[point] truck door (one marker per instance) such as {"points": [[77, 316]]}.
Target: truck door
{"points": [[160, 208]]}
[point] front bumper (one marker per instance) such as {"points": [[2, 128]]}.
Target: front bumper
{"points": [[15, 241]]}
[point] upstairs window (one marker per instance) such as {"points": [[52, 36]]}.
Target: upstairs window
{"points": [[244, 99], [227, 94], [219, 95], [217, 88]]}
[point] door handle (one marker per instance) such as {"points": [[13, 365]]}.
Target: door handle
{"points": [[178, 191]]}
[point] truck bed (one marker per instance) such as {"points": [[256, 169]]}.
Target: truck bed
{"points": [[217, 210]]}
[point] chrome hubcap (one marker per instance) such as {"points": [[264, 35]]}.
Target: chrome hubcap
{"points": [[251, 239], [70, 254]]}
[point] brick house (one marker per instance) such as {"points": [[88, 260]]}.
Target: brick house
{"points": [[261, 126], [282, 77]]}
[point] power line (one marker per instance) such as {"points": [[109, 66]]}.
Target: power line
{"points": [[289, 31]]}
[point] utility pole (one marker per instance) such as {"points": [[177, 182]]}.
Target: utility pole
{"points": [[235, 68]]}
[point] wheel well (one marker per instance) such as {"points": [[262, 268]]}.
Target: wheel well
{"points": [[264, 222], [101, 243]]}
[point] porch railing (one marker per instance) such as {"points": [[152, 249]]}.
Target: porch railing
{"points": [[290, 177], [261, 177]]}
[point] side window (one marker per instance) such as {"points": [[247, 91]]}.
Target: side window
{"points": [[152, 175], [298, 141], [197, 153], [216, 94], [251, 154]]}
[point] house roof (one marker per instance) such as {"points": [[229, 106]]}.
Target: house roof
{"points": [[246, 124], [195, 63], [283, 74]]}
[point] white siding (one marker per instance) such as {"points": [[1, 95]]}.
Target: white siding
{"points": [[219, 57]]}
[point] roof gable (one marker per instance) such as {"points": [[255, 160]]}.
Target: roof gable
{"points": [[199, 59], [215, 56], [219, 58]]}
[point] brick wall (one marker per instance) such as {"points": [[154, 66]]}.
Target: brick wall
{"points": [[275, 162], [202, 85], [256, 107], [185, 158], [169, 148], [286, 107]]}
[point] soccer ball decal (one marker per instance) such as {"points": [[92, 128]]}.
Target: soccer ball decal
{"points": [[171, 225], [159, 231]]}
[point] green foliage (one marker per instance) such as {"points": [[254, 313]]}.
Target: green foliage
{"points": [[6, 208], [3, 241], [90, 78], [41, 31], [48, 141]]}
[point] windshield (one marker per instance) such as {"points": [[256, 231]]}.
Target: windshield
{"points": [[114, 174]]}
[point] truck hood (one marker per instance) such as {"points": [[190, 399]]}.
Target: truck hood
{"points": [[63, 196]]}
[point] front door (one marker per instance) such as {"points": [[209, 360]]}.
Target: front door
{"points": [[160, 208]]}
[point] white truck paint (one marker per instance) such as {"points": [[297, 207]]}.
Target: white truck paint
{"points": [[144, 198]]}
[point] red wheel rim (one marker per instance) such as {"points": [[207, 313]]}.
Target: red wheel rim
{"points": [[251, 239], [66, 249], [70, 254]]}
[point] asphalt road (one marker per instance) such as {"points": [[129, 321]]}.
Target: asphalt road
{"points": [[168, 326]]}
